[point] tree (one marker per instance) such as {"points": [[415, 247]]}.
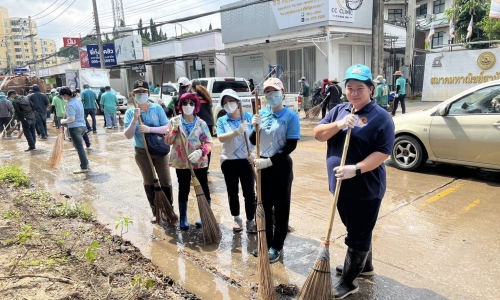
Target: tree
{"points": [[462, 10], [154, 32], [210, 26], [140, 28], [491, 26], [122, 23]]}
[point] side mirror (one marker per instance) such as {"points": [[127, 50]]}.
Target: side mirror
{"points": [[443, 111]]}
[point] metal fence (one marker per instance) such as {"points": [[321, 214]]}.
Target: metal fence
{"points": [[418, 74]]}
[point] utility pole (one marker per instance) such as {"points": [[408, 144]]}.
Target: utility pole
{"points": [[33, 49], [98, 31], [410, 36], [378, 38]]}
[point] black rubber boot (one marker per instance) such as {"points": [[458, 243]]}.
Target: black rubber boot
{"points": [[168, 193], [150, 194], [353, 265], [367, 270]]}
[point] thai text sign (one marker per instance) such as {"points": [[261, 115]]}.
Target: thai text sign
{"points": [[109, 55], [72, 42]]}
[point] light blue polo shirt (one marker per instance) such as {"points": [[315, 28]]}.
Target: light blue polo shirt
{"points": [[235, 148], [402, 85], [154, 117], [75, 108], [276, 128]]}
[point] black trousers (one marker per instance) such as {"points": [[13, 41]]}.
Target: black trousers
{"points": [[401, 99], [184, 180], [276, 193], [359, 217], [235, 171], [209, 155]]}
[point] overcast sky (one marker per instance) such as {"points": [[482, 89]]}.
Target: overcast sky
{"points": [[77, 18]]}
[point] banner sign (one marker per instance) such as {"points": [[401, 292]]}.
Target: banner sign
{"points": [[71, 42], [294, 13], [109, 55], [495, 9], [129, 48], [84, 58], [141, 68]]}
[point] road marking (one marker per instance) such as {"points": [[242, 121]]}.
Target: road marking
{"points": [[441, 195], [471, 206]]}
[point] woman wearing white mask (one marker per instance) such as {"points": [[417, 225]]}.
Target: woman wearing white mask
{"points": [[154, 121], [279, 133], [235, 162], [199, 144]]}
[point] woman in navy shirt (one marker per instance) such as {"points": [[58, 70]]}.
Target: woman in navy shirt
{"points": [[363, 176], [279, 133]]}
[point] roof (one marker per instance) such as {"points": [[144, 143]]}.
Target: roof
{"points": [[437, 24]]}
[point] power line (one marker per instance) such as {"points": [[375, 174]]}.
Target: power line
{"points": [[46, 8], [58, 14], [51, 11]]}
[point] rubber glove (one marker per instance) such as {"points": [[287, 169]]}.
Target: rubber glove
{"points": [[242, 128], [144, 129], [345, 172], [137, 114], [396, 95], [251, 158], [262, 163], [176, 122], [256, 120], [64, 121], [195, 156], [347, 121]]}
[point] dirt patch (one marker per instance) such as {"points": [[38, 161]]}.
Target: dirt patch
{"points": [[53, 250]]}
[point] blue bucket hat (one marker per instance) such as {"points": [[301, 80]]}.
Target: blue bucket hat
{"points": [[359, 72]]}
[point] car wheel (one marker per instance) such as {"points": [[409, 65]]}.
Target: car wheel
{"points": [[407, 153]]}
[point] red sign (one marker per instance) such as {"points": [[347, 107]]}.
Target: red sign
{"points": [[72, 42], [84, 59]]}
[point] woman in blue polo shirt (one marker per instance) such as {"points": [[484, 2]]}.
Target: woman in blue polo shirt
{"points": [[279, 133], [363, 176], [235, 161]]}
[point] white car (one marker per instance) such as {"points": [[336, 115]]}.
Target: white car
{"points": [[168, 90], [122, 101]]}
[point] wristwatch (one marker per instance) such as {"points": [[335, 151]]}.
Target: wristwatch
{"points": [[358, 170]]}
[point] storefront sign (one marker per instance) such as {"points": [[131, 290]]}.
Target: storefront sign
{"points": [[72, 42], [139, 68], [109, 55], [129, 48], [84, 58], [292, 13]]}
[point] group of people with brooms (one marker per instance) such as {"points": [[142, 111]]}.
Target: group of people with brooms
{"points": [[256, 151]]}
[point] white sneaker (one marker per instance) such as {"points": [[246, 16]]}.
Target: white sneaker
{"points": [[238, 224], [80, 171]]}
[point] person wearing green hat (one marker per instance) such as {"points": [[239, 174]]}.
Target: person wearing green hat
{"points": [[363, 175]]}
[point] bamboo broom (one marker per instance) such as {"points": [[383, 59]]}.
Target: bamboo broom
{"points": [[266, 289], [164, 210], [313, 113], [318, 284], [211, 230], [20, 134], [57, 151], [5, 128]]}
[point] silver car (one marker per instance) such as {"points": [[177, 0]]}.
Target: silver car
{"points": [[463, 130]]}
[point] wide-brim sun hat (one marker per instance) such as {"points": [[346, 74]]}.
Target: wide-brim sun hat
{"points": [[359, 72], [230, 93], [398, 73], [334, 80]]}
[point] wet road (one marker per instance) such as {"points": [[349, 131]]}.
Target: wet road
{"points": [[436, 237]]}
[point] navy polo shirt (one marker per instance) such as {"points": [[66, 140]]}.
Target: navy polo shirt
{"points": [[373, 132]]}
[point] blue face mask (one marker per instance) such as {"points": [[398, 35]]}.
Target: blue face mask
{"points": [[274, 98]]}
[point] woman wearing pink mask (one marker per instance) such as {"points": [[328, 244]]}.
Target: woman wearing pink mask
{"points": [[199, 143]]}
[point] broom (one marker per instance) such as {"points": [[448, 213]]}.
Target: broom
{"points": [[20, 134], [318, 284], [211, 230], [266, 289], [313, 113], [120, 120], [164, 210], [57, 151], [5, 128]]}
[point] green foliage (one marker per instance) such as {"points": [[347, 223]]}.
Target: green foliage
{"points": [[66, 210], [91, 252], [490, 26], [123, 222], [11, 173], [461, 10], [9, 215], [26, 234], [140, 281]]}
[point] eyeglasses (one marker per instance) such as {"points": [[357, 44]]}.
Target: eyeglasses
{"points": [[188, 102]]}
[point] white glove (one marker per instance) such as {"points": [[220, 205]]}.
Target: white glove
{"points": [[242, 128], [396, 95], [137, 114], [195, 156], [118, 112], [262, 163], [144, 129], [64, 121], [256, 120], [345, 172], [176, 122], [347, 121], [251, 158]]}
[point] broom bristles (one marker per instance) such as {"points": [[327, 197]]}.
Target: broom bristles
{"points": [[164, 210], [318, 284], [211, 230], [314, 112], [56, 155], [20, 134], [11, 130], [120, 121], [266, 286]]}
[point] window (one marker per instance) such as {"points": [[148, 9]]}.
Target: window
{"points": [[437, 39], [168, 90], [19, 56], [438, 6], [422, 10], [25, 44], [17, 43], [479, 102], [18, 50], [237, 86], [16, 29], [351, 55], [17, 37], [212, 72], [394, 14], [197, 74], [15, 22]]}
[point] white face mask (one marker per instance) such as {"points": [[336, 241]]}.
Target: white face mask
{"points": [[230, 107], [187, 109], [141, 98]]}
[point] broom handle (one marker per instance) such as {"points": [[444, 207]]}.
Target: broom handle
{"points": [[245, 133], [183, 142], [257, 146], [161, 83], [5, 128], [339, 182], [146, 145]]}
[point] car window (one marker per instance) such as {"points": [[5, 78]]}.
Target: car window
{"points": [[237, 86], [204, 83], [484, 101], [167, 90]]}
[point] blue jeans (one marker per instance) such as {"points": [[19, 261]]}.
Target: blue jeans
{"points": [[91, 112], [111, 120], [41, 123], [29, 132], [76, 134]]}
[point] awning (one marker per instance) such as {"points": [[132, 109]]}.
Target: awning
{"points": [[155, 62]]}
